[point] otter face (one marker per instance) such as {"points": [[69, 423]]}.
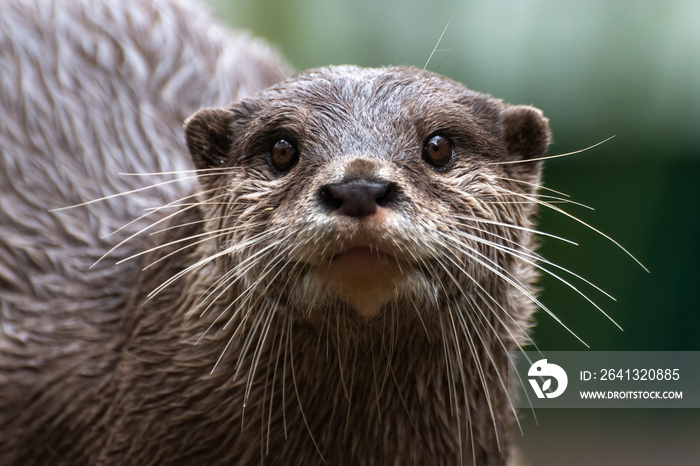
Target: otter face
{"points": [[369, 190]]}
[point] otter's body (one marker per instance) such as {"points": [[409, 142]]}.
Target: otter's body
{"points": [[339, 280]]}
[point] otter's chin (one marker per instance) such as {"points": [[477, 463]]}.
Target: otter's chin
{"points": [[364, 277]]}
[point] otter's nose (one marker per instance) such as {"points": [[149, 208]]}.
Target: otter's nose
{"points": [[358, 197]]}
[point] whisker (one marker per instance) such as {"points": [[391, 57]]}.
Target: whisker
{"points": [[151, 210], [230, 250], [121, 243], [524, 253], [437, 44], [517, 285], [209, 234], [508, 162], [272, 390], [592, 228], [554, 199], [515, 227], [451, 257], [132, 191], [197, 222], [232, 276], [479, 368], [534, 185], [266, 326], [203, 171], [247, 293], [296, 390]]}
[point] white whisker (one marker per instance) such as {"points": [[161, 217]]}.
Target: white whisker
{"points": [[592, 228], [515, 227], [126, 193], [507, 162]]}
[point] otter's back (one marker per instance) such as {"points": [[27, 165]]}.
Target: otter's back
{"points": [[88, 91]]}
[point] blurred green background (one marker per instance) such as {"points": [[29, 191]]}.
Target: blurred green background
{"points": [[597, 68]]}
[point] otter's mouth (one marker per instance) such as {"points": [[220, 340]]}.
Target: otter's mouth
{"points": [[364, 277], [362, 260]]}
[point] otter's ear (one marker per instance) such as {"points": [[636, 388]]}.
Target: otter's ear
{"points": [[208, 137], [526, 133]]}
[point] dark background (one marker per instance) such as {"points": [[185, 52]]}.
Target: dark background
{"points": [[597, 68]]}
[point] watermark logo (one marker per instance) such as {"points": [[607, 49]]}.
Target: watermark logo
{"points": [[545, 371]]}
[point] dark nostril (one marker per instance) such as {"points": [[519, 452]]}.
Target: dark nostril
{"points": [[328, 200], [388, 196], [358, 197]]}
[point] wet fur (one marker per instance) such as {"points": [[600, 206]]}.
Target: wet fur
{"points": [[239, 360]]}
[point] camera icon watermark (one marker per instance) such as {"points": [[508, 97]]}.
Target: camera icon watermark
{"points": [[546, 372]]}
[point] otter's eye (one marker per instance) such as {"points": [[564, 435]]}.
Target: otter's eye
{"points": [[284, 155], [438, 151]]}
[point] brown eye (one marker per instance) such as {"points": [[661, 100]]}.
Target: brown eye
{"points": [[284, 155], [437, 151]]}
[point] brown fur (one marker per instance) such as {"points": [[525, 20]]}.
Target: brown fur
{"points": [[272, 365]]}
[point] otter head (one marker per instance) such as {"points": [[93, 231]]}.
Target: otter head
{"points": [[370, 191]]}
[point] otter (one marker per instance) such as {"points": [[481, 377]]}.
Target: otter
{"points": [[327, 268]]}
